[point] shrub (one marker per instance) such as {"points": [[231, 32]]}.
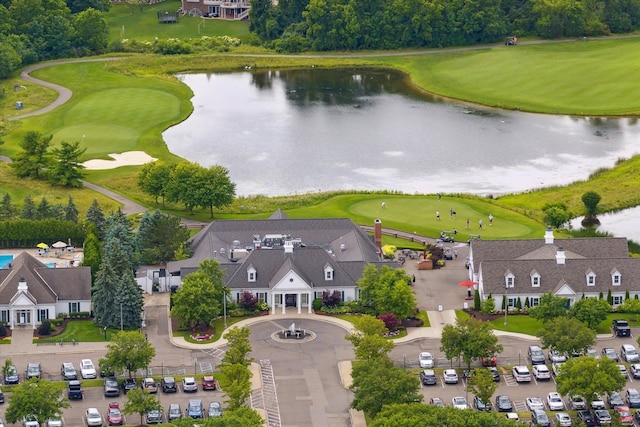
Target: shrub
{"points": [[172, 47], [316, 304], [3, 331], [45, 328], [488, 306], [331, 299], [262, 306], [56, 322], [390, 321], [248, 301], [61, 316]]}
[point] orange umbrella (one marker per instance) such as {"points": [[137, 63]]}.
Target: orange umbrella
{"points": [[467, 283]]}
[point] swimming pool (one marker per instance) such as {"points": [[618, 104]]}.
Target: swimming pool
{"points": [[5, 259]]}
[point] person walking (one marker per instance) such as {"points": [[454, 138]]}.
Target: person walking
{"points": [[437, 215], [468, 222], [480, 223], [490, 219]]}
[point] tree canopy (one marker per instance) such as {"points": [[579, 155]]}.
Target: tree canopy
{"points": [[588, 375], [417, 414], [35, 396], [549, 308], [130, 351], [140, 402], [591, 311], [567, 335], [387, 290], [469, 339], [159, 237]]}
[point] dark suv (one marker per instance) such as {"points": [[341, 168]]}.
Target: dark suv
{"points": [[129, 384], [621, 328], [74, 390], [111, 386], [168, 385], [33, 370], [535, 355], [428, 377]]}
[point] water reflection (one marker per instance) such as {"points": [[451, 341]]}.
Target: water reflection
{"points": [[298, 131], [620, 224]]}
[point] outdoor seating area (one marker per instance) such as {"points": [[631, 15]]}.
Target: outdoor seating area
{"points": [[166, 17]]}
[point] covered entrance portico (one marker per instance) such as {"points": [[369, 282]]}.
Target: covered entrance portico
{"points": [[291, 291]]}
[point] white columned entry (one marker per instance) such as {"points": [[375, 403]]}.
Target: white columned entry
{"points": [[309, 300], [273, 303], [283, 299], [299, 302]]}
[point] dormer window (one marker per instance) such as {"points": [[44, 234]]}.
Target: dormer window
{"points": [[251, 274], [509, 280], [328, 272], [535, 279], [616, 278], [591, 279]]}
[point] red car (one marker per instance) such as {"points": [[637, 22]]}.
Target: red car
{"points": [[209, 383], [625, 415], [114, 416]]}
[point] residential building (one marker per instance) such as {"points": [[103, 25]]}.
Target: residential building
{"points": [[31, 292], [223, 9], [570, 268], [285, 262]]}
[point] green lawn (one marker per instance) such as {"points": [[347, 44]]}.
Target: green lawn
{"points": [[81, 331], [218, 324], [522, 324]]}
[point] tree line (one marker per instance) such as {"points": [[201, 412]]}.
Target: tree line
{"points": [[38, 30], [324, 25]]}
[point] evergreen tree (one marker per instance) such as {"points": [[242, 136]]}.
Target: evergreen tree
{"points": [[609, 297], [34, 159], [70, 211], [96, 216], [43, 211], [104, 297], [477, 305], [28, 208], [626, 295], [159, 237], [56, 212], [118, 227], [519, 304], [526, 302], [7, 210], [92, 251], [66, 167]]}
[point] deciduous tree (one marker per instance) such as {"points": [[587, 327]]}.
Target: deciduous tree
{"points": [[196, 300], [550, 307], [417, 414], [482, 385], [387, 290], [591, 311], [588, 375], [129, 350], [34, 158], [35, 396], [140, 402], [469, 339], [567, 335], [154, 179], [239, 346]]}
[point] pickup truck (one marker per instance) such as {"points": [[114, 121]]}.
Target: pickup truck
{"points": [[74, 390], [621, 328]]}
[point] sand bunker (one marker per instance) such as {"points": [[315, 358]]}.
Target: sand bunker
{"points": [[130, 158]]}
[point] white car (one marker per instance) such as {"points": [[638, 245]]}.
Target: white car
{"points": [[592, 352], [556, 368], [563, 419], [597, 402], [521, 374], [459, 403], [623, 371], [426, 360], [535, 403], [556, 357], [93, 417], [554, 401], [30, 421], [450, 376], [541, 372], [635, 370], [189, 385], [55, 421], [87, 369]]}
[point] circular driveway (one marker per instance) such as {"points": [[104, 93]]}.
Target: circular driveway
{"points": [[306, 374]]}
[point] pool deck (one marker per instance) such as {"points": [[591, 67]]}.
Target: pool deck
{"points": [[64, 258]]}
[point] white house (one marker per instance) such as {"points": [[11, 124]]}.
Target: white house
{"points": [[570, 268], [31, 292], [285, 262]]}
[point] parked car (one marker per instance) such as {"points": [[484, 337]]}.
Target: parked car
{"points": [[535, 355], [129, 384], [68, 371], [577, 403], [521, 374], [428, 377], [436, 401], [149, 385], [215, 410], [556, 368], [633, 398], [480, 405], [74, 390], [33, 370], [11, 375], [111, 387], [194, 409], [114, 415], [30, 421], [209, 383], [426, 360], [602, 417], [459, 402], [450, 376], [168, 385], [541, 372], [503, 403], [556, 357], [610, 353], [496, 374], [592, 352], [1, 397], [555, 402], [586, 418], [189, 385], [174, 412], [87, 369], [540, 418], [534, 403], [54, 421], [621, 328], [635, 370], [615, 399], [626, 419], [563, 419], [105, 369], [154, 416], [629, 353], [597, 402], [623, 371], [93, 417]]}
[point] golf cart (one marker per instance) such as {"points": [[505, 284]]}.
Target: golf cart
{"points": [[511, 41]]}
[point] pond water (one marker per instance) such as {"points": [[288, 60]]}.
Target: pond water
{"points": [[292, 132], [621, 224]]}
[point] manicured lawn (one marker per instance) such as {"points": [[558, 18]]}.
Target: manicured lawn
{"points": [[522, 324], [422, 314], [81, 331], [218, 324]]}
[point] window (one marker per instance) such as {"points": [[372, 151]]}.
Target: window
{"points": [[535, 281], [304, 299], [511, 301], [591, 279], [74, 307], [251, 274], [615, 279], [278, 298], [4, 316], [262, 296], [617, 299], [328, 273], [43, 314], [534, 302], [318, 295], [509, 280]]}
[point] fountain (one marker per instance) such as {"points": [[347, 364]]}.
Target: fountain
{"points": [[294, 334]]}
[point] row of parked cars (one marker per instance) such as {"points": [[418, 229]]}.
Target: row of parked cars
{"points": [[167, 385], [114, 417]]}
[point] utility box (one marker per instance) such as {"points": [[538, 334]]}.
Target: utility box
{"points": [[19, 105]]}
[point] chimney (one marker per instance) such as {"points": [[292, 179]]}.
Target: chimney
{"points": [[548, 236], [560, 257], [377, 234], [288, 247], [22, 284]]}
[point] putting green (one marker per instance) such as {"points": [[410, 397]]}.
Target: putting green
{"points": [[99, 139]]}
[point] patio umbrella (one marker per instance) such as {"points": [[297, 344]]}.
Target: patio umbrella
{"points": [[59, 244], [42, 245], [467, 284]]}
